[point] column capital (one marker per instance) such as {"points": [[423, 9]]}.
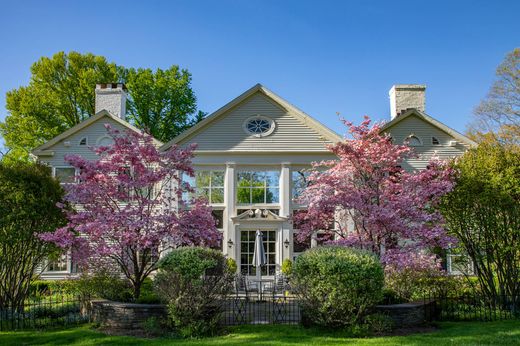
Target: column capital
{"points": [[286, 164], [231, 164]]}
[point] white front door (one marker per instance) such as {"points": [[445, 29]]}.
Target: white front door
{"points": [[247, 246]]}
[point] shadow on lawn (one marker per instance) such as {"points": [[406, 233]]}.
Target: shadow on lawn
{"points": [[457, 333]]}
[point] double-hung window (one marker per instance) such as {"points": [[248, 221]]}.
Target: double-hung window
{"points": [[65, 175]]}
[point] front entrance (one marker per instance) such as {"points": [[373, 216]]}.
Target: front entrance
{"points": [[247, 246]]}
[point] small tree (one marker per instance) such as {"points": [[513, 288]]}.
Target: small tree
{"points": [[127, 211], [483, 212], [366, 200], [498, 114], [28, 197]]}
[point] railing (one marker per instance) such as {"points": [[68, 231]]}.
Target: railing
{"points": [[271, 309], [46, 310], [471, 307]]}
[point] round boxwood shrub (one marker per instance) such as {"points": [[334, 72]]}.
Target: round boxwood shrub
{"points": [[337, 285], [193, 281]]}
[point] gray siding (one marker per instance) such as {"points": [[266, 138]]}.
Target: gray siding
{"points": [[424, 131], [93, 132], [226, 133]]}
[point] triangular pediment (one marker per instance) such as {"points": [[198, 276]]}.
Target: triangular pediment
{"points": [[225, 129], [258, 215]]}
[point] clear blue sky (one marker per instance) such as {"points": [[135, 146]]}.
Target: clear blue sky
{"points": [[323, 56]]}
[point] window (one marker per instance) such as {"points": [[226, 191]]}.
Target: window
{"points": [[60, 264], [413, 141], [105, 141], [459, 263], [207, 184], [299, 183], [83, 141], [258, 187], [435, 141], [65, 175], [247, 248], [259, 126], [218, 215]]}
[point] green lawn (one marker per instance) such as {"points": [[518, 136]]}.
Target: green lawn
{"points": [[461, 333]]}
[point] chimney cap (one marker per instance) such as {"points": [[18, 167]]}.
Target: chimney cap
{"points": [[110, 86], [417, 87]]}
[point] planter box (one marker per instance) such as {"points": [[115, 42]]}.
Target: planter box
{"points": [[128, 316], [408, 314]]}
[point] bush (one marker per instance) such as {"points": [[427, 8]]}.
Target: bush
{"points": [[407, 285], [106, 285], [232, 265], [287, 266], [193, 282], [337, 285], [379, 324]]}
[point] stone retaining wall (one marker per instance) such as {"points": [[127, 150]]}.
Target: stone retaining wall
{"points": [[124, 315], [408, 314]]}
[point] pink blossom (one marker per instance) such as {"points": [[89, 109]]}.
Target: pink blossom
{"points": [[126, 206], [377, 205]]}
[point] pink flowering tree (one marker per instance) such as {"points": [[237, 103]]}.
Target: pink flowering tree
{"points": [[126, 208], [367, 200]]}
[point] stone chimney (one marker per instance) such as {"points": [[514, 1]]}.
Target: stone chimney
{"points": [[112, 98], [406, 96]]}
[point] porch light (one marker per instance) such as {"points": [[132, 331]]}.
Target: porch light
{"points": [[286, 243], [230, 243]]}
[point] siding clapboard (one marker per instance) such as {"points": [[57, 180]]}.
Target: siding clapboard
{"points": [[226, 133], [424, 131], [93, 132]]}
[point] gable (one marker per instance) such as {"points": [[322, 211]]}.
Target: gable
{"points": [[94, 132], [424, 130], [291, 133]]}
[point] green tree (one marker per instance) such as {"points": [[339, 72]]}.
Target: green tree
{"points": [[483, 212], [61, 94], [499, 113], [162, 102], [28, 197]]}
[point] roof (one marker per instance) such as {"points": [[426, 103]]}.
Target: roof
{"points": [[432, 121], [43, 149], [304, 117]]}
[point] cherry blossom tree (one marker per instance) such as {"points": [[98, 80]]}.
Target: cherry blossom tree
{"points": [[127, 211], [366, 199]]}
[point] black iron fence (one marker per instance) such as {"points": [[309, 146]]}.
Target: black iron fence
{"points": [[46, 310], [65, 309], [471, 307], [269, 309]]}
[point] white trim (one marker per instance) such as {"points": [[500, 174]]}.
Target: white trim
{"points": [[272, 126], [409, 137], [76, 173], [102, 138]]}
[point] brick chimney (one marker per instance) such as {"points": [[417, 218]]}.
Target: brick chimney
{"points": [[112, 98], [406, 96]]}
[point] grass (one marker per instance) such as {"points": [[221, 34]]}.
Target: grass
{"points": [[459, 333]]}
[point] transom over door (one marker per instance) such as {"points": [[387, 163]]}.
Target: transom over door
{"points": [[247, 247]]}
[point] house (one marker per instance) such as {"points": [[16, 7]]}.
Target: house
{"points": [[251, 159]]}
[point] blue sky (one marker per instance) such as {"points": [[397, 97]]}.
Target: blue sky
{"points": [[323, 56]]}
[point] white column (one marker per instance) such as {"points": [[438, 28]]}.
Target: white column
{"points": [[230, 211], [285, 210]]}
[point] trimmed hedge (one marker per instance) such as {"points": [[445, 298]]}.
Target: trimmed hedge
{"points": [[337, 285]]}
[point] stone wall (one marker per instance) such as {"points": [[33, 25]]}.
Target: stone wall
{"points": [[124, 315], [408, 314]]}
